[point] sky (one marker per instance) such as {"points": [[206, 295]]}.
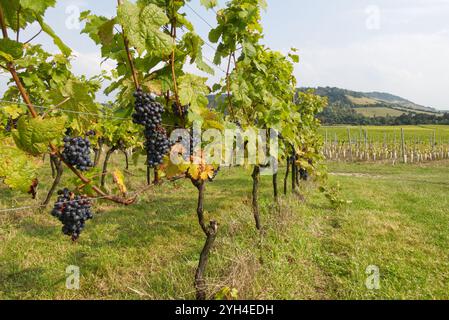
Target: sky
{"points": [[395, 46]]}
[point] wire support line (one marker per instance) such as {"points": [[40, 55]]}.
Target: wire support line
{"points": [[77, 112], [136, 193], [200, 16]]}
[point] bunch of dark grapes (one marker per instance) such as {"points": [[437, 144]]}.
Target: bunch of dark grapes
{"points": [[73, 211], [77, 152], [11, 124], [303, 174], [157, 146], [183, 109], [148, 113], [8, 126]]}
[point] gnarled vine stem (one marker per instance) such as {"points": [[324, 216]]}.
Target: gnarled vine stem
{"points": [[211, 232]]}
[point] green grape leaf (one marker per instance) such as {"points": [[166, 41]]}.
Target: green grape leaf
{"points": [[106, 31], [193, 45], [17, 169], [93, 25], [127, 13], [128, 16], [157, 41], [33, 135], [10, 50], [203, 66], [153, 15], [39, 7], [249, 49], [182, 21], [58, 42], [294, 57], [215, 34], [142, 26], [193, 91], [80, 107], [209, 4]]}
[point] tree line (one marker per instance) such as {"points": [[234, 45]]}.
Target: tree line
{"points": [[342, 114]]}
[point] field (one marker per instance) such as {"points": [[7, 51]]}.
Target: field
{"points": [[379, 112], [397, 221], [377, 133], [393, 144]]}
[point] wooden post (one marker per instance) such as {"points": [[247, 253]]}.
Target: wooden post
{"points": [[434, 139], [404, 156], [350, 144], [366, 144]]}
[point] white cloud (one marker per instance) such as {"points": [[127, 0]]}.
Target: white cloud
{"points": [[90, 63], [3, 83], [415, 66]]}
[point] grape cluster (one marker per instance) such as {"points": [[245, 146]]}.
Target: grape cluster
{"points": [[11, 124], [184, 110], [157, 146], [8, 126], [148, 113], [73, 211], [303, 174], [77, 152]]}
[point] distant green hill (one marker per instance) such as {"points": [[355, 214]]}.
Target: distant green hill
{"points": [[371, 104], [370, 108]]}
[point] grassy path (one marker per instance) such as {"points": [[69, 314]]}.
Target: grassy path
{"points": [[398, 221]]}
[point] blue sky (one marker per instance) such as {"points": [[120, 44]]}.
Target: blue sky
{"points": [[395, 46]]}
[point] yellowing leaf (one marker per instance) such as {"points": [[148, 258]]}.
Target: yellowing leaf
{"points": [[13, 110], [17, 169], [199, 169], [174, 169], [119, 180], [194, 171], [33, 135]]}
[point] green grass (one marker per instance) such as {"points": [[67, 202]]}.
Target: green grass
{"points": [[379, 112], [398, 221], [411, 133]]}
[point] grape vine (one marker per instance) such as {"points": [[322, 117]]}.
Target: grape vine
{"points": [[153, 95]]}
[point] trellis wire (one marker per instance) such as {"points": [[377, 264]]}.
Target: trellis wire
{"points": [[69, 111]]}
